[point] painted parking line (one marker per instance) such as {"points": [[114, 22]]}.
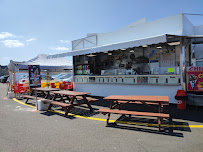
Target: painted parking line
{"points": [[123, 122]]}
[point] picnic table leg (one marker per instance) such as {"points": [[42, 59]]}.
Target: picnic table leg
{"points": [[116, 105], [46, 95], [32, 92], [109, 114], [159, 123], [49, 108], [87, 102], [107, 120], [160, 110], [62, 98], [26, 100], [67, 110], [68, 98], [54, 97], [130, 117], [72, 99]]}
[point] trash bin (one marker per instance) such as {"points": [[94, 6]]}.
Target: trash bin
{"points": [[42, 106], [181, 98]]}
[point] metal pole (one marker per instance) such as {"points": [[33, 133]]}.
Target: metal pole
{"points": [[73, 72], [18, 82], [182, 64], [36, 97]]}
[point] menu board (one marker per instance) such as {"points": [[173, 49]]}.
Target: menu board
{"points": [[195, 79], [34, 76], [167, 60]]}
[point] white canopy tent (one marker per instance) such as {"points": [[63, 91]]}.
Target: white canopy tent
{"points": [[56, 63], [45, 64]]}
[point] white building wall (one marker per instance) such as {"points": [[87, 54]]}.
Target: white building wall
{"points": [[118, 89]]}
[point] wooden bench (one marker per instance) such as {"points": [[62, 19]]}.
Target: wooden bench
{"points": [[65, 106], [159, 116], [120, 103], [90, 99], [32, 97], [139, 102]]}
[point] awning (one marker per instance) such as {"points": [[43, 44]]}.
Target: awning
{"points": [[195, 39], [128, 44]]}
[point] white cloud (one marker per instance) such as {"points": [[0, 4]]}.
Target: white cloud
{"points": [[4, 35], [60, 48], [65, 41], [5, 58], [31, 39], [12, 43]]}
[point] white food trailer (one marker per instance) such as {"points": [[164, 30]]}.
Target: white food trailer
{"points": [[144, 58]]}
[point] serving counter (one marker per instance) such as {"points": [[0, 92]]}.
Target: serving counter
{"points": [[130, 79]]}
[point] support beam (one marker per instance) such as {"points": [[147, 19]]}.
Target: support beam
{"points": [[182, 63]]}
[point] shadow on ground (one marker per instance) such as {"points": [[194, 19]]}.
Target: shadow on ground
{"points": [[80, 110], [192, 113]]}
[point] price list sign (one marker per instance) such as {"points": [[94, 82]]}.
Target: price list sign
{"points": [[34, 76]]}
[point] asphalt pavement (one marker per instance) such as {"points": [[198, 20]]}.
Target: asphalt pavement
{"points": [[24, 129]]}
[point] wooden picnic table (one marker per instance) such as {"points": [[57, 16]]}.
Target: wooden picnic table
{"points": [[146, 100], [72, 96], [45, 91], [117, 100]]}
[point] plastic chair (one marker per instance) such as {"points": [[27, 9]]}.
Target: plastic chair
{"points": [[62, 86], [70, 87], [22, 89], [53, 85], [16, 88], [68, 83]]}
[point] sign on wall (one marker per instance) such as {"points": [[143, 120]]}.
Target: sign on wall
{"points": [[34, 76], [195, 79]]}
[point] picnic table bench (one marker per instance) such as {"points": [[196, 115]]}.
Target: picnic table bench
{"points": [[117, 100], [27, 97], [120, 103], [159, 116]]}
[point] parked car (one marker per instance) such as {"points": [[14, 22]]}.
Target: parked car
{"points": [[65, 77], [58, 75], [70, 79], [8, 80], [3, 79]]}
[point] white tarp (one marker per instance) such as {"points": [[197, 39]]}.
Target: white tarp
{"points": [[57, 63]]}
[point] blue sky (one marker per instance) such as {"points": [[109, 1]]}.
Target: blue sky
{"points": [[32, 27]]}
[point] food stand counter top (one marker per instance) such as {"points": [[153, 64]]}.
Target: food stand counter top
{"points": [[130, 79]]}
